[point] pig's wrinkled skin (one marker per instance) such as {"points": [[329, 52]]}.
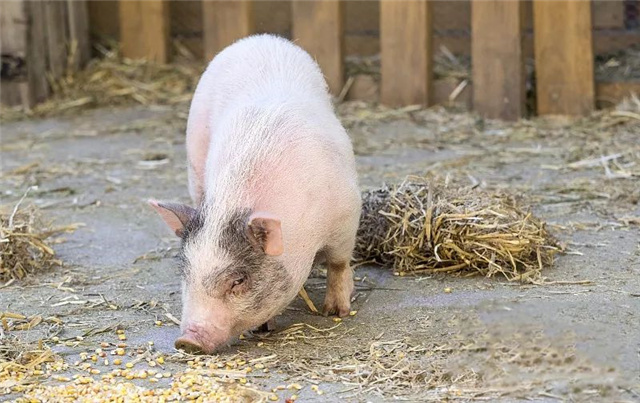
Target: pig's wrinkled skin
{"points": [[272, 173]]}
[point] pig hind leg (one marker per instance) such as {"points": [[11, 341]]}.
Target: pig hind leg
{"points": [[339, 281]]}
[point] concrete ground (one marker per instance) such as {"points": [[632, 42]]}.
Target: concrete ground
{"points": [[577, 338]]}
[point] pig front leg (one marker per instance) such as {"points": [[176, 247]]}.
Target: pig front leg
{"points": [[339, 288]]}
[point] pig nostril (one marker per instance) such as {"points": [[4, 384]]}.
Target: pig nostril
{"points": [[188, 346]]}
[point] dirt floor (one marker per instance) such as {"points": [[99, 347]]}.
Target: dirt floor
{"points": [[427, 338]]}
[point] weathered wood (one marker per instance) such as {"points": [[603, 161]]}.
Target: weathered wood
{"points": [[79, 43], [104, 19], [144, 29], [497, 59], [55, 27], [564, 57], [608, 14], [405, 47], [224, 23], [37, 60], [318, 28]]}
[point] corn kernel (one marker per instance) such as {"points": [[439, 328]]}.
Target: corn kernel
{"points": [[117, 361], [122, 337], [259, 366], [129, 365], [273, 398], [160, 360], [158, 323], [353, 313], [337, 320]]}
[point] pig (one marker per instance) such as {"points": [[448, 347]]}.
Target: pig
{"points": [[272, 178]]}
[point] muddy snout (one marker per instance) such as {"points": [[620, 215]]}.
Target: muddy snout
{"points": [[195, 340]]}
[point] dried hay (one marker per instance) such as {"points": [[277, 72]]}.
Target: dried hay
{"points": [[422, 227], [113, 81], [23, 243]]}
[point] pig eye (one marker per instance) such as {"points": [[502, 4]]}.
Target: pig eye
{"points": [[238, 282]]}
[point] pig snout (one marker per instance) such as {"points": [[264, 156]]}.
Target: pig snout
{"points": [[196, 340]]}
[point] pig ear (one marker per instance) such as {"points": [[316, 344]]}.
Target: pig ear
{"points": [[175, 215], [265, 231]]}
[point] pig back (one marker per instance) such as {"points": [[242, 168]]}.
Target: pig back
{"points": [[259, 69]]}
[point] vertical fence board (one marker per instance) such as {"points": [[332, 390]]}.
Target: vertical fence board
{"points": [[497, 59], [144, 29], [56, 35], [36, 52], [564, 57], [405, 47], [224, 23], [318, 28], [79, 43]]}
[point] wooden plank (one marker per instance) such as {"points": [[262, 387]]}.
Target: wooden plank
{"points": [[104, 21], [79, 43], [36, 52], [406, 54], [13, 42], [144, 29], [564, 57], [57, 39], [497, 59], [318, 28], [608, 14], [224, 23], [273, 17]]}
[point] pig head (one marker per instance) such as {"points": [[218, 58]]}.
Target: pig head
{"points": [[232, 278]]}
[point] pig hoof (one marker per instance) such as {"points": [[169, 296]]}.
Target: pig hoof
{"points": [[336, 308]]}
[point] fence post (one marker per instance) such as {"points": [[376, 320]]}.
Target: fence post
{"points": [[318, 28], [497, 59], [405, 47], [144, 29], [224, 22], [563, 50]]}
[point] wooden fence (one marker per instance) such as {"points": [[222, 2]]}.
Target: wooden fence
{"points": [[562, 37]]}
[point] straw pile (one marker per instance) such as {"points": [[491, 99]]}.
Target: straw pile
{"points": [[23, 246], [422, 227], [112, 81]]}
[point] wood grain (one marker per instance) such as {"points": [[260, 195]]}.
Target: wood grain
{"points": [[144, 29], [406, 54], [78, 17], [318, 28], [497, 59], [224, 23], [563, 51]]}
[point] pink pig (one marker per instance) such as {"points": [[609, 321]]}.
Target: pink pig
{"points": [[272, 175]]}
